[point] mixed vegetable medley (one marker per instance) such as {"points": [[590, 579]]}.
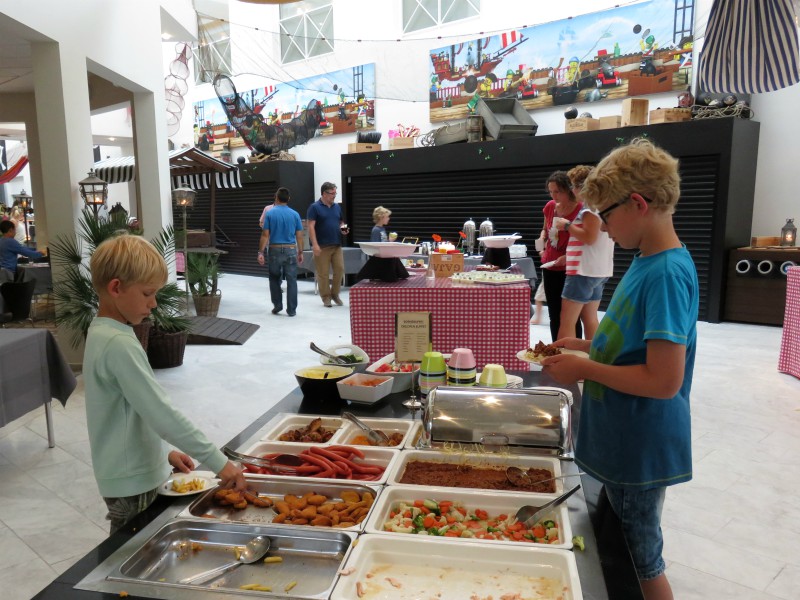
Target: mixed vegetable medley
{"points": [[452, 519]]}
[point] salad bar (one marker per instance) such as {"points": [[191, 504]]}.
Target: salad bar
{"points": [[350, 537]]}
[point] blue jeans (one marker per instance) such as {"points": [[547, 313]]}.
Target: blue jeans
{"points": [[283, 265]]}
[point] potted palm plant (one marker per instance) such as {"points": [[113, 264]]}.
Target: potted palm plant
{"points": [[76, 298], [202, 274]]}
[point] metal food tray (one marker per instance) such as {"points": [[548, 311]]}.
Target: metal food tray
{"points": [[479, 459], [494, 504], [374, 456], [275, 488], [284, 422], [473, 570], [388, 426], [311, 558]]}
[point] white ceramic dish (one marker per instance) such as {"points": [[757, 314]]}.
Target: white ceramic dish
{"points": [[480, 459], [346, 349], [413, 436], [523, 355], [388, 426], [499, 241], [284, 422], [207, 477], [494, 504], [387, 249], [352, 388], [373, 456], [402, 380], [474, 572]]}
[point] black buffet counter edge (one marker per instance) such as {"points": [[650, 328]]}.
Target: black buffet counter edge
{"points": [[605, 567]]}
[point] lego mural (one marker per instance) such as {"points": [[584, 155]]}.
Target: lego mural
{"points": [[282, 115], [634, 50]]}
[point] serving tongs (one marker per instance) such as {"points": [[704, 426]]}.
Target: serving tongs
{"points": [[282, 463], [375, 436], [337, 360]]}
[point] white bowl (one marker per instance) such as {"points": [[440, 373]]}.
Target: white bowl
{"points": [[346, 349], [402, 379], [352, 388], [499, 241], [387, 249]]}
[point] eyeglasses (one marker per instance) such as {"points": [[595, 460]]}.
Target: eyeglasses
{"points": [[603, 214], [332, 193]]}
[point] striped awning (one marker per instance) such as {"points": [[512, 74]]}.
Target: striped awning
{"points": [[188, 167], [751, 46]]}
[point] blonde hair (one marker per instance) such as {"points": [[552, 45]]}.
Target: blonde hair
{"points": [[379, 213], [640, 167], [129, 258], [578, 174], [17, 213]]}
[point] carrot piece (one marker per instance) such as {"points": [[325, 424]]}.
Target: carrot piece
{"points": [[428, 522]]}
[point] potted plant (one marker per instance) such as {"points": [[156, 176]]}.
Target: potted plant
{"points": [[76, 298], [202, 274]]}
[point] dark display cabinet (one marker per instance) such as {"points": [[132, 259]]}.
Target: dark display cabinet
{"points": [[435, 190]]}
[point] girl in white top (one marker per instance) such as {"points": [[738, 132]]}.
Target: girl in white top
{"points": [[18, 218], [590, 262]]}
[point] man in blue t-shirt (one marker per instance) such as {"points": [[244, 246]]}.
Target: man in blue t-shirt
{"points": [[325, 230], [634, 433], [283, 235], [10, 247]]}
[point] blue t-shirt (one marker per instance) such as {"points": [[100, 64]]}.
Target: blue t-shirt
{"points": [[326, 223], [379, 234], [283, 223], [632, 441], [10, 248]]}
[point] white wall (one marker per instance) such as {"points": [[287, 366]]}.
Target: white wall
{"points": [[401, 70]]}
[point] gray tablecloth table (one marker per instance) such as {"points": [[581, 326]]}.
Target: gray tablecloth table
{"points": [[42, 273], [33, 371], [354, 259]]}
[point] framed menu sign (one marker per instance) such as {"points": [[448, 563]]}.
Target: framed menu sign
{"points": [[412, 335]]}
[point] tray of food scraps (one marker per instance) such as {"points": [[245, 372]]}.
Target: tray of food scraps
{"points": [[289, 501]]}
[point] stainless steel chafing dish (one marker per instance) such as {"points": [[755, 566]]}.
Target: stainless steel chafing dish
{"points": [[498, 419]]}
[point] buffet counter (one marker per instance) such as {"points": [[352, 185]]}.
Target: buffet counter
{"points": [[492, 320], [604, 567]]}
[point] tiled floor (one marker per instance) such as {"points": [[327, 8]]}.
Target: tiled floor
{"points": [[730, 533]]}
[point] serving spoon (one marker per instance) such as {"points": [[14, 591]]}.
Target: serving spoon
{"points": [[530, 515], [377, 437], [254, 550], [282, 463]]}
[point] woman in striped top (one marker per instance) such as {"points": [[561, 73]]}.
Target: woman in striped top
{"points": [[590, 262]]}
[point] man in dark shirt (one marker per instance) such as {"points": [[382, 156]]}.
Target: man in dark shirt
{"points": [[325, 229]]}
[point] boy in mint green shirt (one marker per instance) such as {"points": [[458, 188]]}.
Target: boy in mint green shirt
{"points": [[127, 412]]}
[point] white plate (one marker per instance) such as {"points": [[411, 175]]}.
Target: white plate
{"points": [[522, 355], [494, 504], [472, 569], [547, 265], [387, 249], [207, 477]]}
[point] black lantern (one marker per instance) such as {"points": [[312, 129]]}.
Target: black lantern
{"points": [[94, 191], [184, 198], [789, 233]]}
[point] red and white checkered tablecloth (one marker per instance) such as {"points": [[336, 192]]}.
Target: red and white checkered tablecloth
{"points": [[789, 359], [490, 320]]}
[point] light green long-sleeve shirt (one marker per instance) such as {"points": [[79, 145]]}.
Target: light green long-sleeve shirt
{"points": [[129, 415]]}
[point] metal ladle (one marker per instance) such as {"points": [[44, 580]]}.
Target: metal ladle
{"points": [[515, 475], [378, 437], [254, 550], [282, 463], [530, 515]]}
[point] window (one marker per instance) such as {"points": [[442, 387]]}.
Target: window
{"points": [[421, 14], [306, 29], [212, 54]]}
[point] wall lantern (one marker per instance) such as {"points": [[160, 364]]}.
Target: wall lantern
{"points": [[184, 197], [789, 233], [94, 191]]}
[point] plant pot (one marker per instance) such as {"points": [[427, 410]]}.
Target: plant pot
{"points": [[142, 332], [207, 306], [165, 349]]}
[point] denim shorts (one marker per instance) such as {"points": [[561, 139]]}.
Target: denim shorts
{"points": [[640, 514], [582, 289]]}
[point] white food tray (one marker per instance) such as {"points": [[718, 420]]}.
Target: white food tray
{"points": [[284, 422], [412, 436], [472, 571], [494, 504], [373, 456], [388, 426], [479, 459]]}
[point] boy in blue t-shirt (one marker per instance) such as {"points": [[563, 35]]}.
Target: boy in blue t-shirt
{"points": [[634, 431]]}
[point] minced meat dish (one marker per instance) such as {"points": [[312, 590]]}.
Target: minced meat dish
{"points": [[466, 476]]}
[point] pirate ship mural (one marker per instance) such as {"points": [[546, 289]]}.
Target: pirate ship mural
{"points": [[280, 116], [634, 50]]}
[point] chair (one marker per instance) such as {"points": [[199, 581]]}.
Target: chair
{"points": [[17, 298]]}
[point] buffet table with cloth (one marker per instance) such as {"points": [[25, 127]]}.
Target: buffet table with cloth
{"points": [[789, 359], [32, 372], [490, 320], [605, 567]]}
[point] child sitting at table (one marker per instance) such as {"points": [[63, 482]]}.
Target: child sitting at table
{"points": [[127, 411]]}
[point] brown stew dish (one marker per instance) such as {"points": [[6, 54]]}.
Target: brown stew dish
{"points": [[466, 476]]}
